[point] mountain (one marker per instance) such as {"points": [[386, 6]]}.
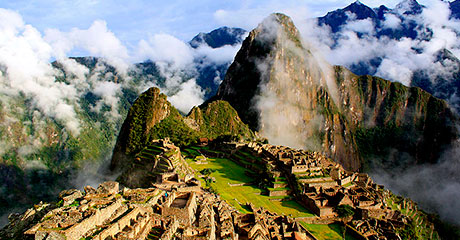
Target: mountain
{"points": [[219, 37], [392, 26], [356, 11], [152, 117], [409, 7], [41, 154], [283, 91], [210, 75], [441, 84], [280, 88], [455, 9]]}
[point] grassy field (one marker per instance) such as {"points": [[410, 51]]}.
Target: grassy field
{"points": [[228, 172], [327, 232]]}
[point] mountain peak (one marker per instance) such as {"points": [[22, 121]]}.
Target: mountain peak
{"points": [[293, 98], [278, 26], [337, 18], [409, 7], [361, 10], [219, 37], [282, 20]]}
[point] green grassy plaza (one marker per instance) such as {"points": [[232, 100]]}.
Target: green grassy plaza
{"points": [[228, 172]]}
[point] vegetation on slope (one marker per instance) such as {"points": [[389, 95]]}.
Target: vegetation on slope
{"points": [[397, 125], [152, 117], [219, 118], [357, 113], [174, 128]]}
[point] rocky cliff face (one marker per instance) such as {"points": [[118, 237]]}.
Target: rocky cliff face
{"points": [[391, 123], [292, 97]]}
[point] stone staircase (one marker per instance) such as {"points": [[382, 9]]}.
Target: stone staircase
{"points": [[280, 189]]}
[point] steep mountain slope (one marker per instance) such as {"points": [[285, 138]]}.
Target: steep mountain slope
{"points": [[336, 19], [442, 84], [40, 154], [152, 117], [357, 11], [280, 89]]}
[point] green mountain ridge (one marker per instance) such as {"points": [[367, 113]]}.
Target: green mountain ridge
{"points": [[152, 117]]}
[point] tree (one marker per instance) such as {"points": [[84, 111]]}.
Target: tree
{"points": [[344, 212]]}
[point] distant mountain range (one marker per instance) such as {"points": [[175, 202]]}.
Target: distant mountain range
{"points": [[401, 22], [445, 86]]}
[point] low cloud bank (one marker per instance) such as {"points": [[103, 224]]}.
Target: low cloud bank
{"points": [[436, 187]]}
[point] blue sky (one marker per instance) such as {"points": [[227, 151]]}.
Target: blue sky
{"points": [[138, 19]]}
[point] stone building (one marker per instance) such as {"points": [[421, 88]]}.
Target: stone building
{"points": [[151, 213]]}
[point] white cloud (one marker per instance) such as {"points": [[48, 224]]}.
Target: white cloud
{"points": [[97, 40], [189, 95], [24, 56], [166, 48], [220, 55], [362, 26], [175, 60], [108, 91], [389, 69], [10, 23], [391, 21]]}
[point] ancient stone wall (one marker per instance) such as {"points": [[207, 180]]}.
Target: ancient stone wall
{"points": [[77, 231]]}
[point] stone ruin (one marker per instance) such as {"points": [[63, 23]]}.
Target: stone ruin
{"points": [[109, 212], [320, 185], [175, 206], [160, 162]]}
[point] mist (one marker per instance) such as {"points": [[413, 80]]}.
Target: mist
{"points": [[286, 117], [358, 43], [435, 187], [26, 72]]}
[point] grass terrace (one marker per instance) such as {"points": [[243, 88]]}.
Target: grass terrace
{"points": [[229, 173], [327, 232]]}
